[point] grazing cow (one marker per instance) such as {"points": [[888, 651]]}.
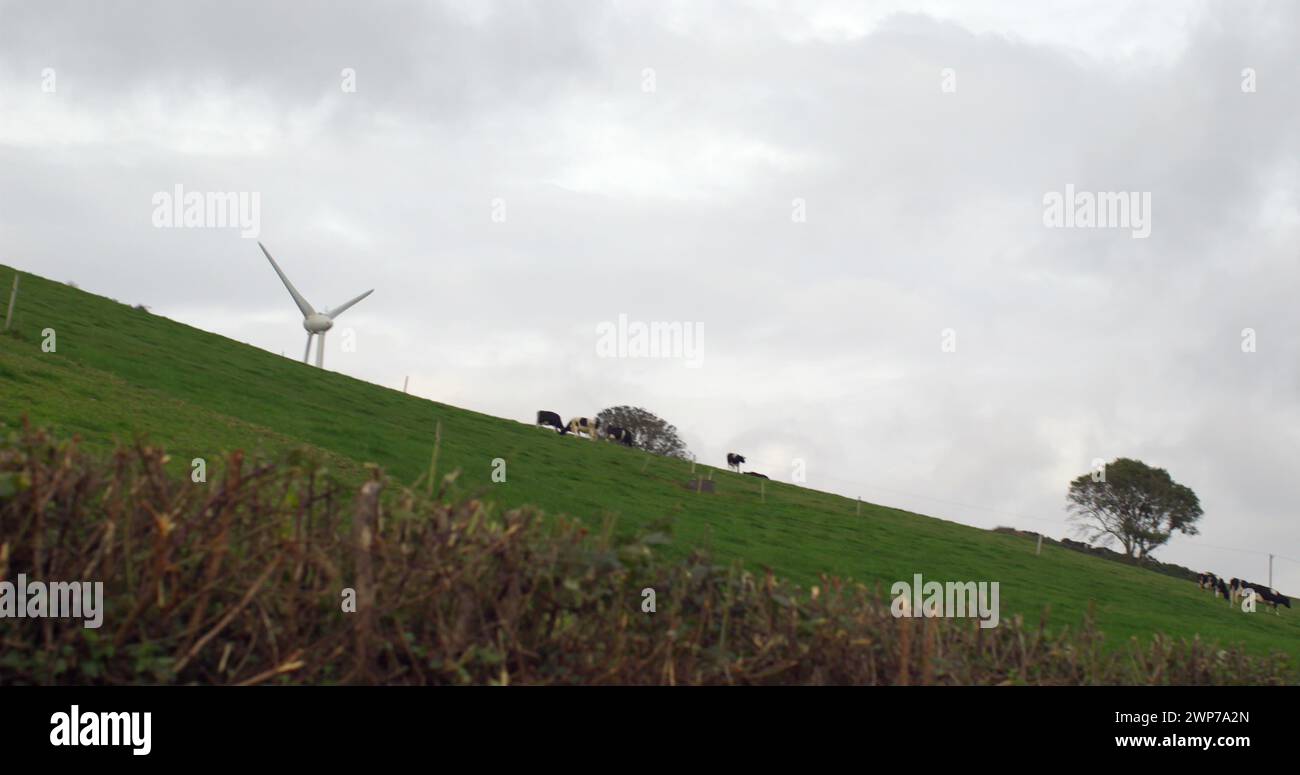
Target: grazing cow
{"points": [[550, 419], [1207, 581], [1222, 589], [734, 461], [755, 473], [1275, 598], [621, 435], [1239, 588], [1236, 588], [1267, 594], [579, 425]]}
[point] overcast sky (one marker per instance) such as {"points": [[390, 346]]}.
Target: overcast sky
{"points": [[821, 189]]}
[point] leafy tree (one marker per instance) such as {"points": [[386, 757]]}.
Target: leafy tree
{"points": [[1133, 503], [650, 432]]}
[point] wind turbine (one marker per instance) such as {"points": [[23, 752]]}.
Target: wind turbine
{"points": [[316, 323]]}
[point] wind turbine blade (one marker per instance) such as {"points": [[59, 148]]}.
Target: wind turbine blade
{"points": [[297, 297], [339, 309], [307, 353]]}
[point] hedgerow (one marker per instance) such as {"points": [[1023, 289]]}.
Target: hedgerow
{"points": [[245, 578]]}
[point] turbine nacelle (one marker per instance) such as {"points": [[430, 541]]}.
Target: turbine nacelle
{"points": [[316, 323]]}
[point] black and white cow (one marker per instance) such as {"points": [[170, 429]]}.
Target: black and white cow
{"points": [[734, 461], [755, 473], [1207, 581], [550, 419], [1242, 588], [1222, 589], [580, 425], [1238, 587], [1275, 599], [621, 435]]}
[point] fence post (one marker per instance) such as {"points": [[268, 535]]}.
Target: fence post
{"points": [[13, 299], [364, 525], [433, 463]]}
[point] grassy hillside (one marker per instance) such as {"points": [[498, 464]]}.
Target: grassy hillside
{"points": [[120, 372]]}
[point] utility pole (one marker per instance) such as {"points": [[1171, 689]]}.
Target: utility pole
{"points": [[1270, 571]]}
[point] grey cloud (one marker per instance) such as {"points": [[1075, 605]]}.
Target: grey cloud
{"points": [[822, 338]]}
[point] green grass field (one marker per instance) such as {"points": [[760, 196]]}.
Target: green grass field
{"points": [[119, 373]]}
